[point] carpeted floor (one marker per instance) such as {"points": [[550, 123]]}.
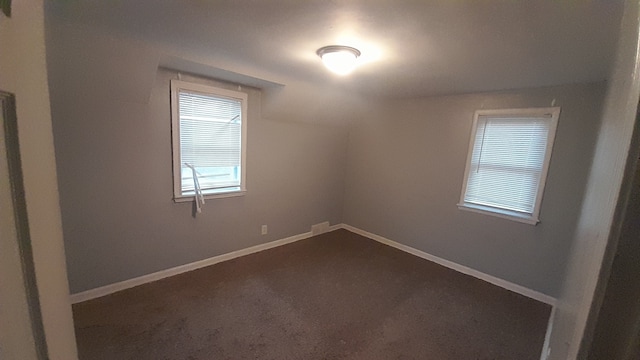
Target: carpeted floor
{"points": [[334, 296]]}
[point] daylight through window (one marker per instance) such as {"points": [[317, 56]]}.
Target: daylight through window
{"points": [[508, 158], [209, 127]]}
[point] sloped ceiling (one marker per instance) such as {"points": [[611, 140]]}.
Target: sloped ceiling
{"points": [[410, 48]]}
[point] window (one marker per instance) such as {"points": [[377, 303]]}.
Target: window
{"points": [[507, 164], [209, 139]]}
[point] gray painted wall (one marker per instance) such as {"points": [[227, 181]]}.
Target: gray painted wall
{"points": [[406, 158], [606, 195], [405, 171], [114, 161], [617, 334], [115, 231], [110, 109]]}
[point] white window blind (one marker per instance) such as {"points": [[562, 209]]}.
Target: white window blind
{"points": [[508, 161], [210, 137]]}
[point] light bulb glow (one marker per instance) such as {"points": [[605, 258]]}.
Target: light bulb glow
{"points": [[339, 59]]}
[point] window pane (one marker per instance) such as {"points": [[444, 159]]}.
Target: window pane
{"points": [[507, 162], [210, 178], [210, 141], [503, 188]]}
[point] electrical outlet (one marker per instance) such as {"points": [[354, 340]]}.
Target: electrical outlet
{"points": [[264, 230]]}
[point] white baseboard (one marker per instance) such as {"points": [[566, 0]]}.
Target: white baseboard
{"points": [[457, 267], [119, 286], [123, 285], [546, 347]]}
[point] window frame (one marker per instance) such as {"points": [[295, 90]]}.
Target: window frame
{"points": [[178, 85], [534, 217]]}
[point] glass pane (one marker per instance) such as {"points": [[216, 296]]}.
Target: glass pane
{"points": [[211, 178], [210, 141], [507, 161]]}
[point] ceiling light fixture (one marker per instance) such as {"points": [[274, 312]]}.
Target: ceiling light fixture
{"points": [[339, 59]]}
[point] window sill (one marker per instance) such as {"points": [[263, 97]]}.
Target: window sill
{"points": [[501, 213], [211, 196]]}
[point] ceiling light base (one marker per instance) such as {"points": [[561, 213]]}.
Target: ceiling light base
{"points": [[338, 58]]}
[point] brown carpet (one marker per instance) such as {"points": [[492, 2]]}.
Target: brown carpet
{"points": [[334, 296]]}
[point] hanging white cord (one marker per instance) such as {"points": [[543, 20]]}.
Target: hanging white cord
{"points": [[199, 198], [484, 132]]}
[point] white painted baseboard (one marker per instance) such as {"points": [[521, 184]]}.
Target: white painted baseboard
{"points": [[112, 288], [546, 347], [457, 267]]}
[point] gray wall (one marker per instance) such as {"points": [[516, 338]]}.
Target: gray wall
{"points": [[606, 194], [405, 170], [405, 161], [113, 152], [617, 334]]}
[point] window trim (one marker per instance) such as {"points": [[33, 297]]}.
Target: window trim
{"points": [[176, 86], [527, 218]]}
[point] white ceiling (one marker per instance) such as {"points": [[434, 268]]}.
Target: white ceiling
{"points": [[409, 48]]}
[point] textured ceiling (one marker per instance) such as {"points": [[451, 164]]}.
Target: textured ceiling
{"points": [[409, 48]]}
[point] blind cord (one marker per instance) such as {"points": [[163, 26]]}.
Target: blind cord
{"points": [[199, 198], [484, 131]]}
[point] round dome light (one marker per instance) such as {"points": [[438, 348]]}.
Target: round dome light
{"points": [[339, 59]]}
